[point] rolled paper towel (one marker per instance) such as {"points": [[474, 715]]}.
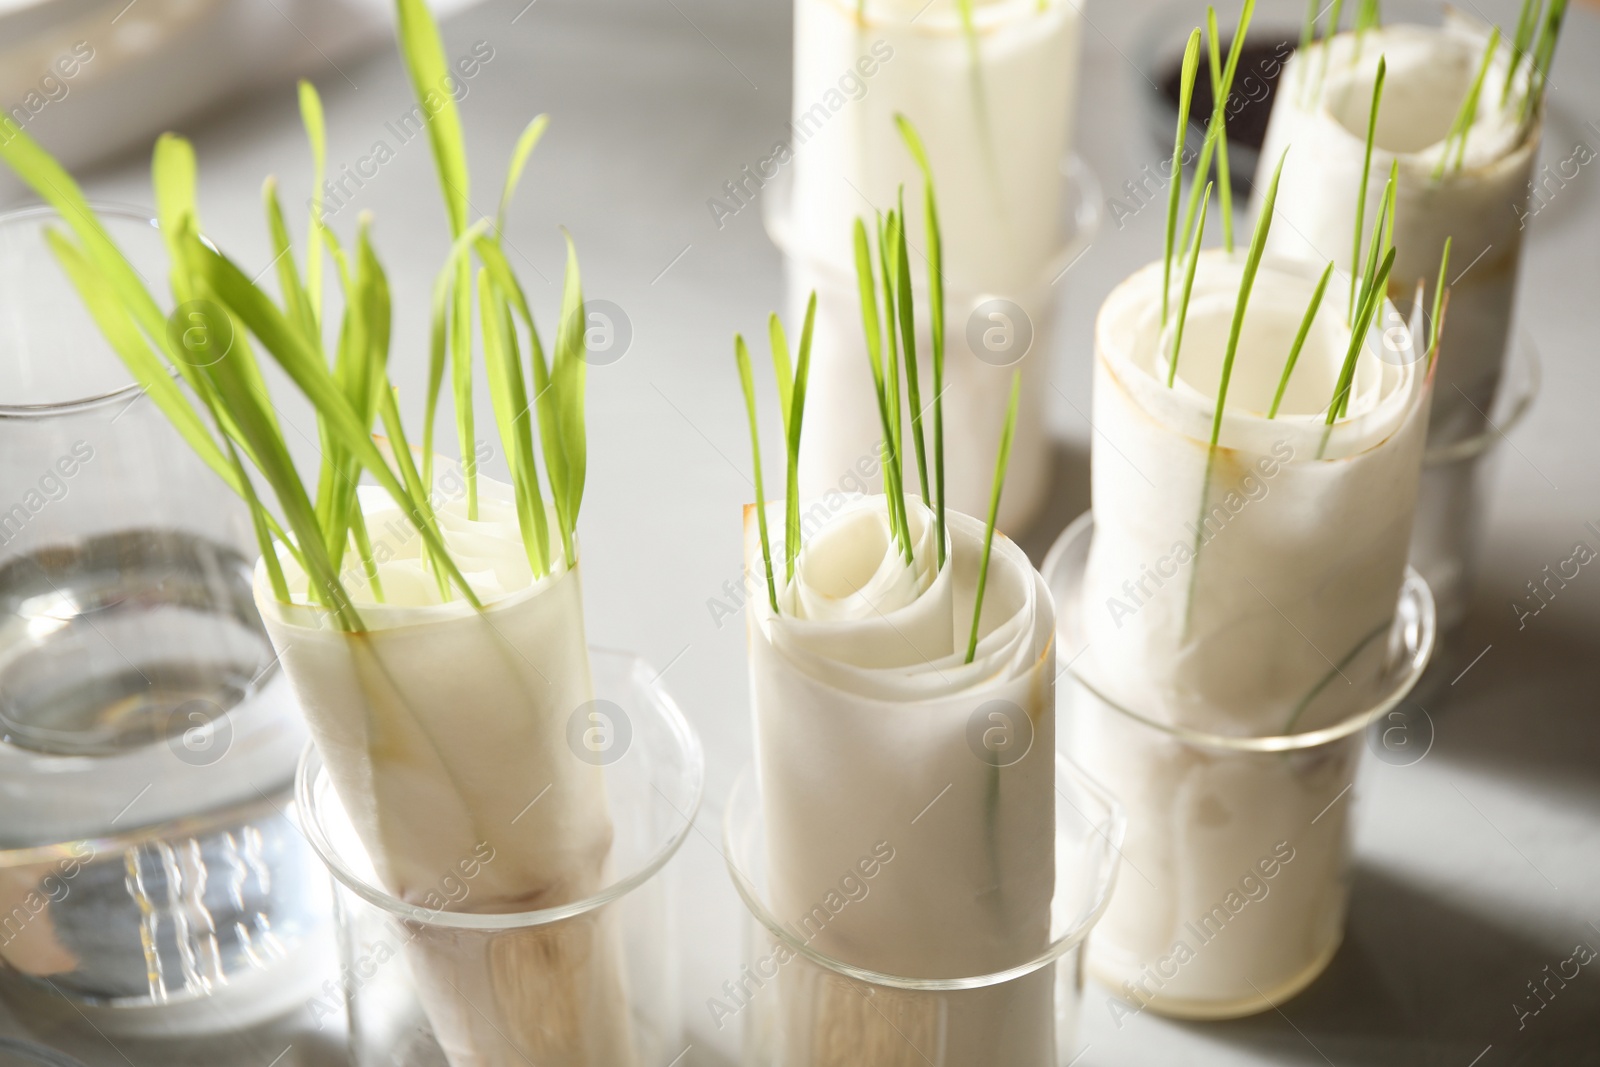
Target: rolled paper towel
{"points": [[864, 713], [1245, 590], [439, 725], [1225, 587], [1322, 110]]}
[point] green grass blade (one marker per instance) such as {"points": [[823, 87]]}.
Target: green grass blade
{"points": [[1375, 300], [1527, 22], [1461, 126], [1372, 296], [569, 374], [913, 142], [1191, 63], [888, 254], [867, 285], [1258, 242], [51, 182], [908, 335], [1002, 461], [556, 424], [1334, 20], [1188, 288], [277, 467], [224, 372], [1224, 184], [1308, 28], [172, 175], [1300, 339], [1375, 249], [378, 312], [747, 382], [519, 159], [234, 289], [1435, 325], [99, 296], [336, 485], [439, 337], [1391, 192], [1216, 130], [547, 385], [980, 100], [1361, 194], [114, 322], [259, 524], [1543, 55], [534, 512], [1252, 263], [289, 286], [461, 380], [509, 392], [935, 239], [781, 366], [423, 53], [438, 347], [866, 282], [369, 380], [1470, 111], [117, 297], [1235, 51], [389, 408], [369, 565], [311, 118], [792, 425]]}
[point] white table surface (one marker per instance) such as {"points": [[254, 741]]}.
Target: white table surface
{"points": [[1475, 867]]}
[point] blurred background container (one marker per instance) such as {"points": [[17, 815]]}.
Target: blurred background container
{"points": [[149, 870]]}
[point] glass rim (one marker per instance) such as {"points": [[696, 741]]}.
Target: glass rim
{"points": [[103, 209], [1413, 589], [1082, 220], [1106, 881], [311, 771]]}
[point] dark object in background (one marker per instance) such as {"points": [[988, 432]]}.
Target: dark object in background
{"points": [[1249, 105]]}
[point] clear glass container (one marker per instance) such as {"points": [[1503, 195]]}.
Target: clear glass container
{"points": [[1238, 848], [429, 986], [149, 870], [803, 1008], [1450, 496]]}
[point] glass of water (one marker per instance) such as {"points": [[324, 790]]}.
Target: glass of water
{"points": [[150, 870]]}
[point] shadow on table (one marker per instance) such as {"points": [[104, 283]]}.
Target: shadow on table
{"points": [[1527, 707], [1420, 981]]}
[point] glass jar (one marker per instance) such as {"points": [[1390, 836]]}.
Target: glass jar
{"points": [[149, 870], [801, 1007], [1238, 848], [592, 982]]}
